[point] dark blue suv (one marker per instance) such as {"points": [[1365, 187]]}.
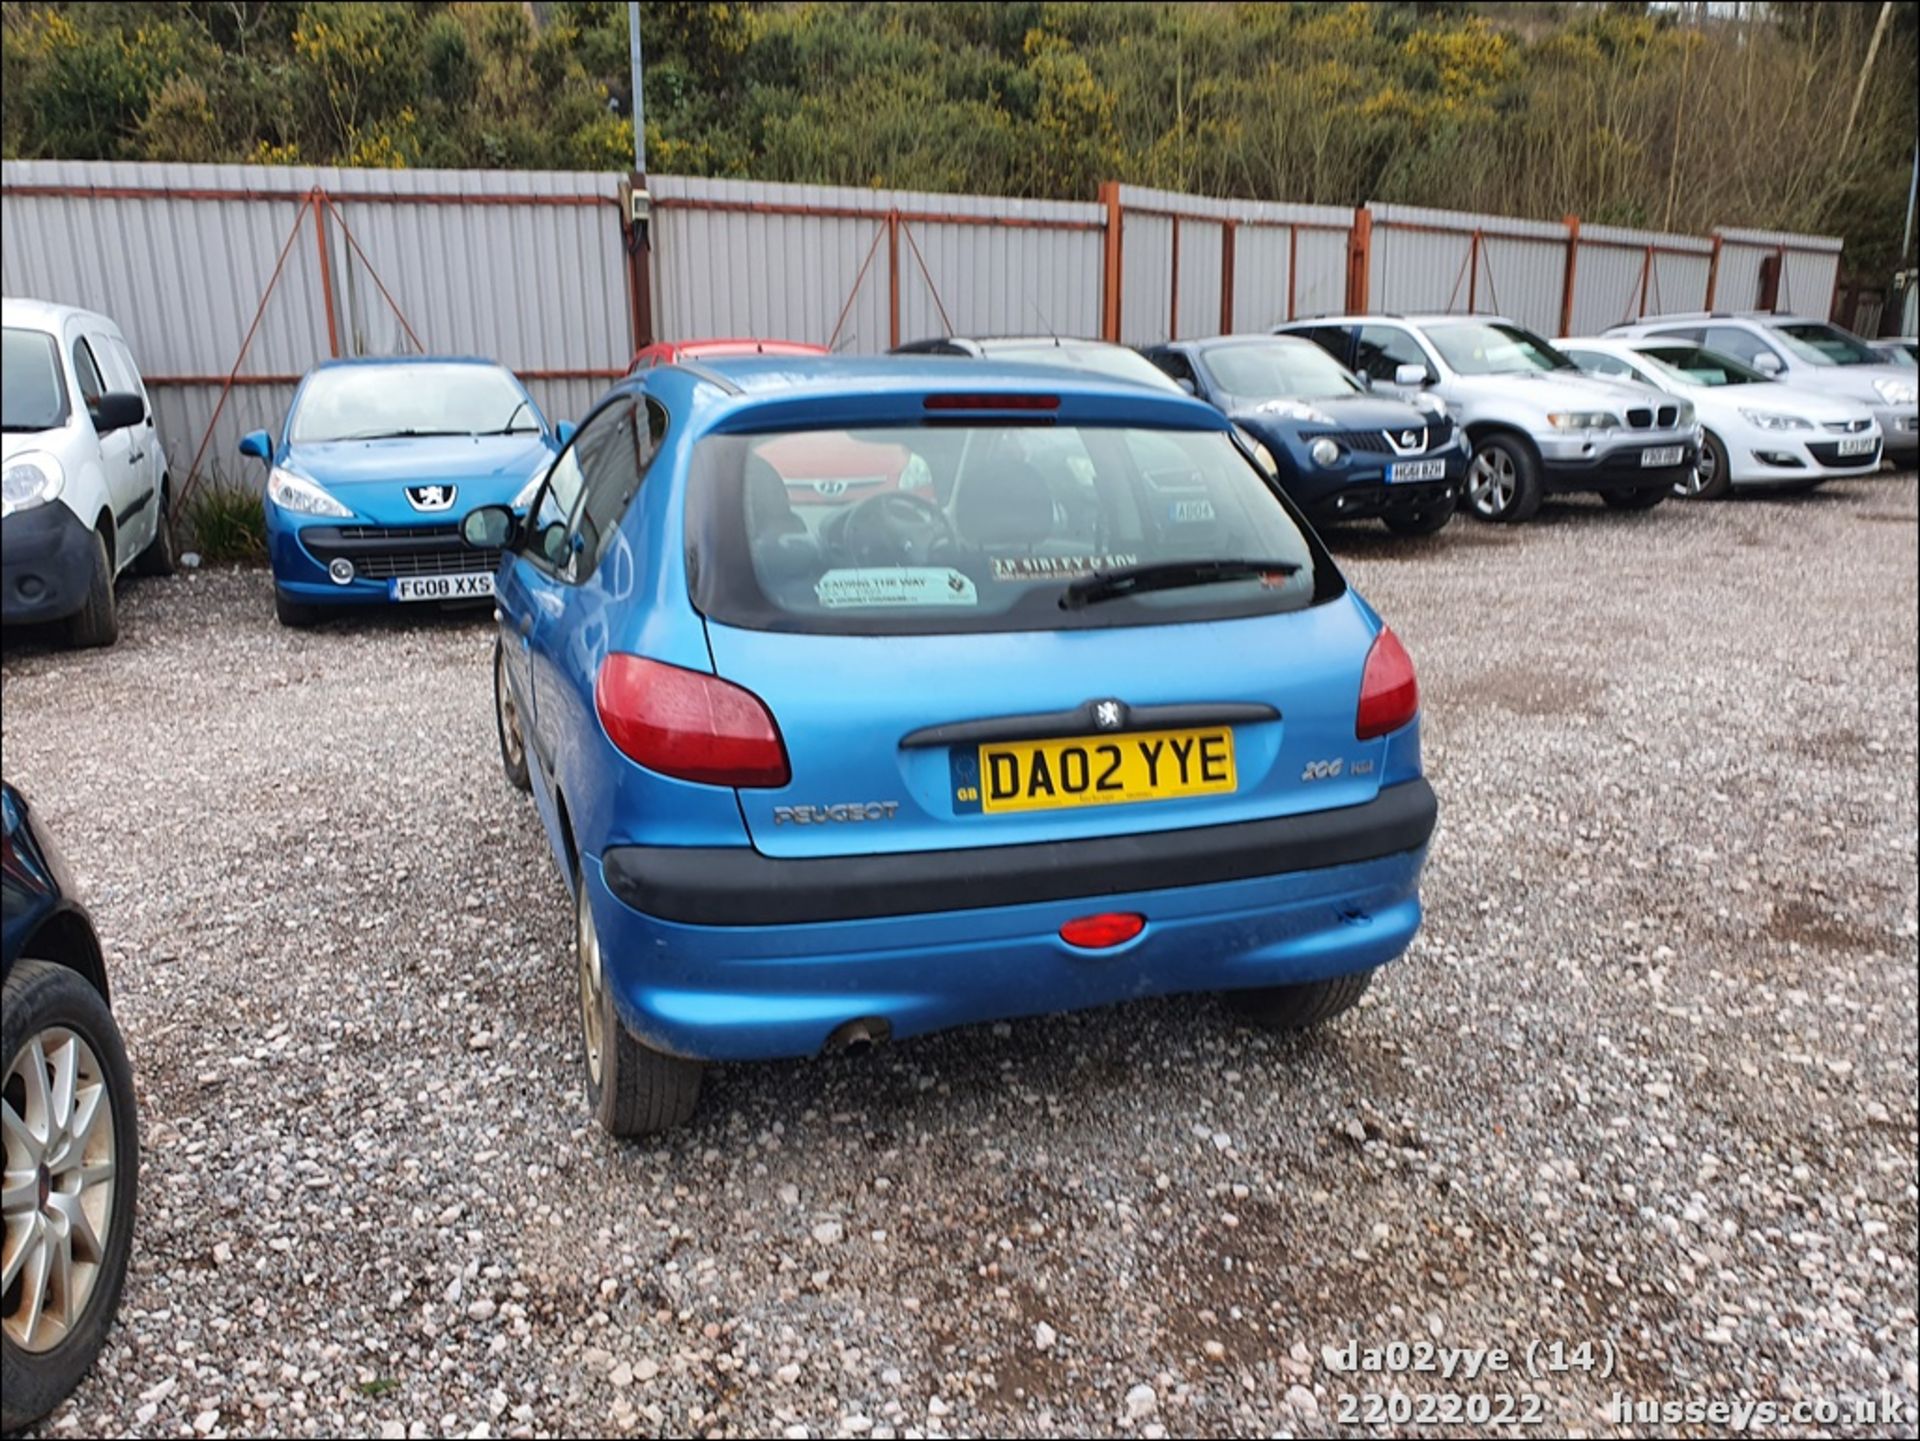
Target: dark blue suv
{"points": [[1340, 451]]}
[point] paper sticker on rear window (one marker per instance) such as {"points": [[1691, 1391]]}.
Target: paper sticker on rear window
{"points": [[894, 586], [1190, 510], [1056, 567]]}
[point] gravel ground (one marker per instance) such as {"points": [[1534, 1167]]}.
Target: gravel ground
{"points": [[1646, 1080]]}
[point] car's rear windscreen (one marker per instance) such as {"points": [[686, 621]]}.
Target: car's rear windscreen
{"points": [[987, 527]]}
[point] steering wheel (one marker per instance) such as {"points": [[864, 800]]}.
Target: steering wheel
{"points": [[895, 527]]}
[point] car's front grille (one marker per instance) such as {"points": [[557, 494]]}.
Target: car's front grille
{"points": [[1828, 453], [1393, 442], [381, 552], [1848, 427]]}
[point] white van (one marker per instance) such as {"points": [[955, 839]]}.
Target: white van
{"points": [[85, 490]]}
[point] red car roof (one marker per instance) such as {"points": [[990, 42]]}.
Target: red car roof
{"points": [[666, 352]]}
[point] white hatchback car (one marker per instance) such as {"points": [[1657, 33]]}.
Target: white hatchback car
{"points": [[1755, 431], [85, 490]]}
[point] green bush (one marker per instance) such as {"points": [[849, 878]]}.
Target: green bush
{"points": [[226, 524]]}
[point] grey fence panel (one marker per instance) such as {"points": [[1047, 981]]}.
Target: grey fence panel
{"points": [[1200, 275], [1414, 270], [1263, 276], [1522, 279], [1606, 287], [1320, 287], [802, 262], [1448, 260], [1621, 274], [1146, 278], [1809, 270]]}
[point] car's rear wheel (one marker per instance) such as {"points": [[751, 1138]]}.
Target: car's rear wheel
{"points": [[296, 615], [97, 622], [72, 1167], [1428, 520], [633, 1089], [1711, 478], [158, 557], [1295, 1008], [506, 725], [1503, 480], [1645, 498]]}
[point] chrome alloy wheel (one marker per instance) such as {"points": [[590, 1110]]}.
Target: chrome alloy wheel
{"points": [[1701, 477], [592, 983], [511, 740], [1492, 481], [57, 1199]]}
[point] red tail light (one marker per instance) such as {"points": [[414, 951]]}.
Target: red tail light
{"points": [[688, 725], [1097, 933], [1389, 695]]}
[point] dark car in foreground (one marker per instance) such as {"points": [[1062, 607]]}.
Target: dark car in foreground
{"points": [[71, 1133], [1341, 452]]}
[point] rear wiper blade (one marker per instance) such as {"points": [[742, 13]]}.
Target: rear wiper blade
{"points": [[1168, 575]]}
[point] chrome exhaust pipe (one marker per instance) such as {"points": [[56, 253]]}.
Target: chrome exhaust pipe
{"points": [[858, 1036]]}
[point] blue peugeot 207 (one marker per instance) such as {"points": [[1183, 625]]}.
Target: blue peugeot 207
{"points": [[1073, 708], [1339, 451], [373, 459]]}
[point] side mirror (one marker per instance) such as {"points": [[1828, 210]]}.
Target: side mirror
{"points": [[491, 527], [1413, 377], [563, 432], [116, 410], [258, 444], [1186, 385], [1767, 363]]}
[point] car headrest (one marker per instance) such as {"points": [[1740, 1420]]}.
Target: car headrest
{"points": [[769, 509], [1005, 503]]}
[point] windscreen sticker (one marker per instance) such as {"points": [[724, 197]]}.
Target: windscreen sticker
{"points": [[894, 585], [1185, 511], [1057, 567]]}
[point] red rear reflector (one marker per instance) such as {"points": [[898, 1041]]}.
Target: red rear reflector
{"points": [[1389, 695], [992, 402], [1097, 933], [691, 726]]}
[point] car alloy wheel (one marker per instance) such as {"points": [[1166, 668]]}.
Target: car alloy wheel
{"points": [[1700, 479], [59, 1187], [592, 983], [512, 743], [1492, 481]]}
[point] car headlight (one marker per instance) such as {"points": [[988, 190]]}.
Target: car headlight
{"points": [[1583, 420], [31, 479], [1772, 420], [529, 490], [1260, 452], [1894, 392], [303, 497], [1433, 405], [1324, 451], [1687, 414]]}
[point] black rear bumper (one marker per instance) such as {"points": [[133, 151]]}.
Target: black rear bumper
{"points": [[738, 886], [46, 564], [1374, 502], [1618, 469]]}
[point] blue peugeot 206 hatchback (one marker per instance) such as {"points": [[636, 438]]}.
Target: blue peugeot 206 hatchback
{"points": [[1071, 708], [371, 463]]}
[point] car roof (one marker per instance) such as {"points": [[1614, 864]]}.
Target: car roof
{"points": [[808, 393], [930, 345], [44, 314], [1365, 317], [1222, 342], [344, 361], [739, 345]]}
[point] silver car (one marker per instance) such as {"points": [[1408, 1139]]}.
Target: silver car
{"points": [[1536, 424], [1811, 354]]}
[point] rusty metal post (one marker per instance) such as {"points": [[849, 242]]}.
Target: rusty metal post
{"points": [[1229, 230], [1572, 223], [1359, 260], [1646, 274], [1173, 304], [1293, 269], [1110, 276], [1713, 274], [326, 273], [1473, 274], [893, 278]]}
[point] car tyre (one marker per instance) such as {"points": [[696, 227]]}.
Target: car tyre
{"points": [[158, 558], [53, 1007], [1429, 521], [297, 615], [506, 725], [633, 1089], [1712, 478], [1503, 480], [97, 622], [1644, 498], [1296, 1008]]}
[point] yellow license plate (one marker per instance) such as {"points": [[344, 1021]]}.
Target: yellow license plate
{"points": [[1105, 770]]}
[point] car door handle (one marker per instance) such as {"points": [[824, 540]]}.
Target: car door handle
{"points": [[137, 455]]}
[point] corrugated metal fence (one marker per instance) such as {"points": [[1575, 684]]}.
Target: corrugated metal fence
{"points": [[230, 281]]}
